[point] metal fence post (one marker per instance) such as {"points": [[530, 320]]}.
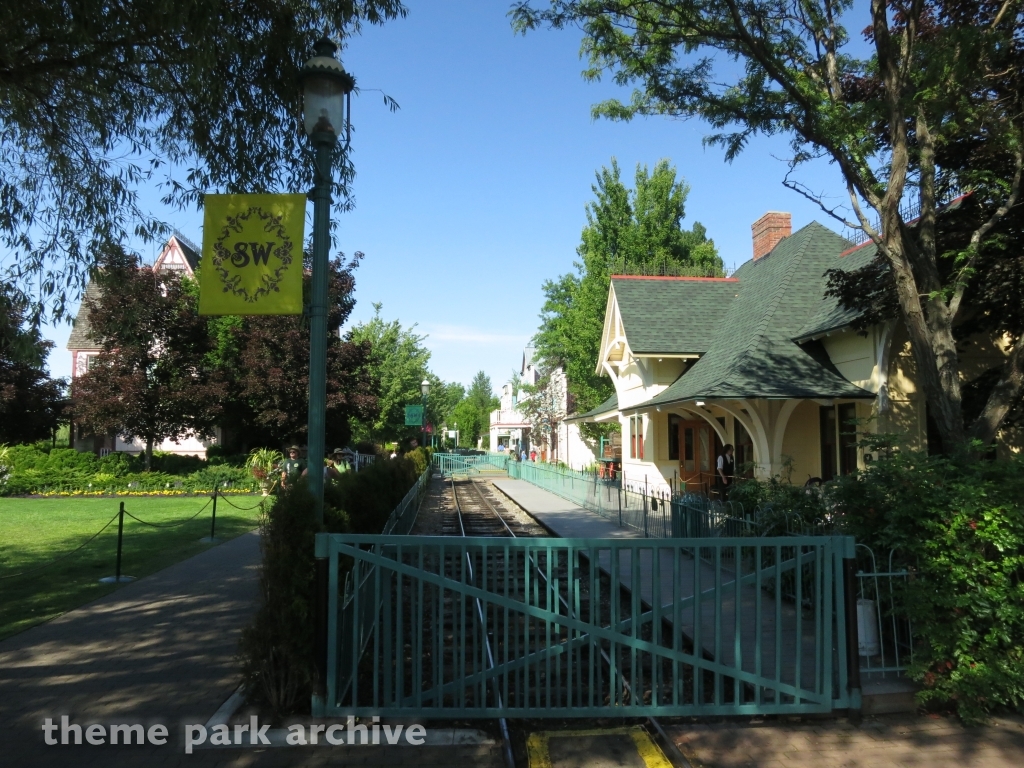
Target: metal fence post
{"points": [[213, 517], [117, 578], [852, 641], [320, 609], [120, 536]]}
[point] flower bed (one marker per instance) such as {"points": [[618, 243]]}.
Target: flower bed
{"points": [[65, 472]]}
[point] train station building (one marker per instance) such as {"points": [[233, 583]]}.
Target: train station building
{"points": [[763, 361]]}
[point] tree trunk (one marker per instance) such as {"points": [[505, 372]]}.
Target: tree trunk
{"points": [[918, 285], [934, 350], [1005, 393], [149, 453]]}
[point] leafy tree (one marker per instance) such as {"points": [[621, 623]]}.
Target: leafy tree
{"points": [[98, 100], [481, 393], [398, 364], [468, 416], [473, 412], [543, 406], [31, 403], [264, 361], [942, 78], [452, 393], [444, 396], [639, 232], [151, 379]]}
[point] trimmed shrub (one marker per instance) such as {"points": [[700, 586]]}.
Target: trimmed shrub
{"points": [[64, 471], [276, 650], [360, 502], [958, 526]]}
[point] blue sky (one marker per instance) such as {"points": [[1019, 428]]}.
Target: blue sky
{"points": [[473, 193]]}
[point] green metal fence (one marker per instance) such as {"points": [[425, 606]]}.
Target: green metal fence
{"points": [[403, 517], [452, 464], [655, 513], [442, 627]]}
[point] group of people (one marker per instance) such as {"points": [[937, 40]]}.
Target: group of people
{"points": [[295, 467], [520, 456]]}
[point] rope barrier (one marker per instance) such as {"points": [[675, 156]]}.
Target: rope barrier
{"points": [[136, 519], [62, 557], [170, 525], [242, 509]]}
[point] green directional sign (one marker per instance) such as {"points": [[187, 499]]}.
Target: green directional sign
{"points": [[414, 415]]}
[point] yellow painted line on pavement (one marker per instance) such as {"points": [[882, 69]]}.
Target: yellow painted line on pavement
{"points": [[650, 753]]}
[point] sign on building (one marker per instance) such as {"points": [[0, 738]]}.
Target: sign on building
{"points": [[252, 255]]}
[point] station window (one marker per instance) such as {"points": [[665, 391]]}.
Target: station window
{"points": [[847, 438], [636, 436], [673, 437]]}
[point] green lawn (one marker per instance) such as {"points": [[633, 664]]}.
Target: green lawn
{"points": [[36, 531]]}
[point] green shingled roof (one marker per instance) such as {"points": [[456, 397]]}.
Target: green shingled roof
{"points": [[611, 405], [666, 316], [79, 338], [752, 354], [830, 315]]}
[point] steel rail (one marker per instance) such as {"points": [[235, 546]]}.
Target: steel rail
{"points": [[506, 739], [677, 753]]}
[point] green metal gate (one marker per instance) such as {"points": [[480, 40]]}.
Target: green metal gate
{"points": [[450, 464], [480, 627]]}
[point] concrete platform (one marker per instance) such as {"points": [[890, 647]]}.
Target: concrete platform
{"points": [[561, 517], [777, 626]]}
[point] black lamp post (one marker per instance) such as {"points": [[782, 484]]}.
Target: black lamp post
{"points": [[326, 104], [424, 390]]}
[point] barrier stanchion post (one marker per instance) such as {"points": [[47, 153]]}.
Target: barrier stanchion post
{"points": [[212, 539], [117, 578]]}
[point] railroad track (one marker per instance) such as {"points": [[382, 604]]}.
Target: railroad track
{"points": [[475, 514]]}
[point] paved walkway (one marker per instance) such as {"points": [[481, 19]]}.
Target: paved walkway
{"points": [[159, 650], [889, 741], [768, 629]]}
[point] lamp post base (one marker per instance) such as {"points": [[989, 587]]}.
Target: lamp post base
{"points": [[116, 579]]}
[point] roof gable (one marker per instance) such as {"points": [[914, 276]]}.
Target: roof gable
{"points": [[179, 254], [671, 315]]}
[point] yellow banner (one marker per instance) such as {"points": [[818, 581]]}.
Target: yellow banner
{"points": [[252, 255]]}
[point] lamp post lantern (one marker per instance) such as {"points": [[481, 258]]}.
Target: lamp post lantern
{"points": [[326, 101], [424, 390]]}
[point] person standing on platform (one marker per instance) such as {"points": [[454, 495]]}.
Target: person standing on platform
{"points": [[725, 471]]}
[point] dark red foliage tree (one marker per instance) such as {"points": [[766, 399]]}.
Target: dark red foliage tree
{"points": [[266, 363], [31, 403], [154, 378]]}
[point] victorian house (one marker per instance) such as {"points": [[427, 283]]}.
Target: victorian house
{"points": [[178, 255]]}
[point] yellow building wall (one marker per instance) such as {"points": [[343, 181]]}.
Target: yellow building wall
{"points": [[855, 357], [802, 442]]}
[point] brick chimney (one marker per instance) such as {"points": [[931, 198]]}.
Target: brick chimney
{"points": [[769, 230]]}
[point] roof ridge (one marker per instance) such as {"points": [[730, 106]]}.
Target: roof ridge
{"points": [[773, 305], [673, 277]]}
